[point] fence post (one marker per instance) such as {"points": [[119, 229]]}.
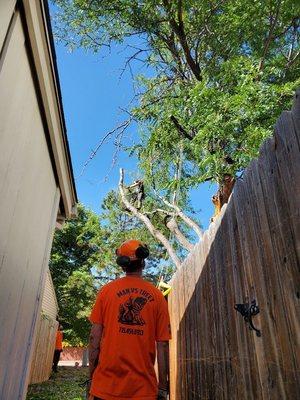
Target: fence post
{"points": [[85, 357]]}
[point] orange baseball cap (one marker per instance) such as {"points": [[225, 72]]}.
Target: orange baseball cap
{"points": [[129, 249]]}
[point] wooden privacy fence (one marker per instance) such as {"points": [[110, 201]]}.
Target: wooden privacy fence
{"points": [[44, 349], [250, 253]]}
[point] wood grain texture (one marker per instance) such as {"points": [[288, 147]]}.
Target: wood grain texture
{"points": [[251, 252]]}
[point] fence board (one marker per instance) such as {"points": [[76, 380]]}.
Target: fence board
{"points": [[251, 252]]}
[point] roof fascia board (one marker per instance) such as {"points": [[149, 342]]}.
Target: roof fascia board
{"points": [[49, 87]]}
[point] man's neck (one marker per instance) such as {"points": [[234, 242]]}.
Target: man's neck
{"points": [[136, 274]]}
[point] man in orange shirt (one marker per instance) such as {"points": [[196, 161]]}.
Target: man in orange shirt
{"points": [[58, 347], [129, 317]]}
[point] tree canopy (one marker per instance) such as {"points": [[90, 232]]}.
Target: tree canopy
{"points": [[75, 252], [222, 73]]}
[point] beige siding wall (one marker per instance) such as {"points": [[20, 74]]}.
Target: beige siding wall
{"points": [[6, 11], [28, 207], [49, 302]]}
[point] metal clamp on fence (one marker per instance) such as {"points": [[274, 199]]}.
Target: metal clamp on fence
{"points": [[248, 310]]}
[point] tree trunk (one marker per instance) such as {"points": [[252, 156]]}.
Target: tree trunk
{"points": [[223, 194]]}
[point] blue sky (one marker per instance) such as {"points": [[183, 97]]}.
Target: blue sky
{"points": [[93, 93]]}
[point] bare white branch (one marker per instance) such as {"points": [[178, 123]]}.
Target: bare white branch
{"points": [[142, 217]]}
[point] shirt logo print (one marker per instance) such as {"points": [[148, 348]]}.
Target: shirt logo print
{"points": [[129, 312]]}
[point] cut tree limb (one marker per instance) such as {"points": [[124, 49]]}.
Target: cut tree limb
{"points": [[173, 227], [154, 232]]}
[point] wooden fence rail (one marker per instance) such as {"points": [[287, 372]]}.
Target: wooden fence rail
{"points": [[250, 253]]}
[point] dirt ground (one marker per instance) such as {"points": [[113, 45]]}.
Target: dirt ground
{"points": [[64, 385]]}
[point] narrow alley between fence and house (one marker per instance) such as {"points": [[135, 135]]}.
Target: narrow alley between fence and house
{"points": [[199, 115]]}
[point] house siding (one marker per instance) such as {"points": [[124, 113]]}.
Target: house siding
{"points": [[30, 189]]}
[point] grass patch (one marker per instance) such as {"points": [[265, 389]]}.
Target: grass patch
{"points": [[64, 385]]}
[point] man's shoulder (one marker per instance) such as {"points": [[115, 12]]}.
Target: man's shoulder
{"points": [[106, 288], [153, 288], [111, 284], [123, 282]]}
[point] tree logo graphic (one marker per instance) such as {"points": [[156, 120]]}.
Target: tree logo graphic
{"points": [[129, 312]]}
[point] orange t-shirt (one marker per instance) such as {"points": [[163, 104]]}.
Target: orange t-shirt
{"points": [[134, 315], [59, 339]]}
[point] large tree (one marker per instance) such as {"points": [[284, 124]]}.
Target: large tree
{"points": [[221, 73]]}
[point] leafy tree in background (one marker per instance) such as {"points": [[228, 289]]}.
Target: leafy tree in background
{"points": [[75, 253], [77, 297]]}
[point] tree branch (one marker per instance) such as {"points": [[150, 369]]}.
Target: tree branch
{"points": [[184, 217], [191, 223], [154, 232], [292, 60], [121, 128], [273, 22], [179, 31], [180, 128], [172, 225]]}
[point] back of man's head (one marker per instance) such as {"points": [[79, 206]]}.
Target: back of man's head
{"points": [[131, 255], [134, 266]]}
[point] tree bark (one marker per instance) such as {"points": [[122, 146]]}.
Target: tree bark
{"points": [[184, 218], [173, 227], [154, 232], [223, 194], [178, 29]]}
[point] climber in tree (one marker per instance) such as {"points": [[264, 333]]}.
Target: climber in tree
{"points": [[136, 193]]}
